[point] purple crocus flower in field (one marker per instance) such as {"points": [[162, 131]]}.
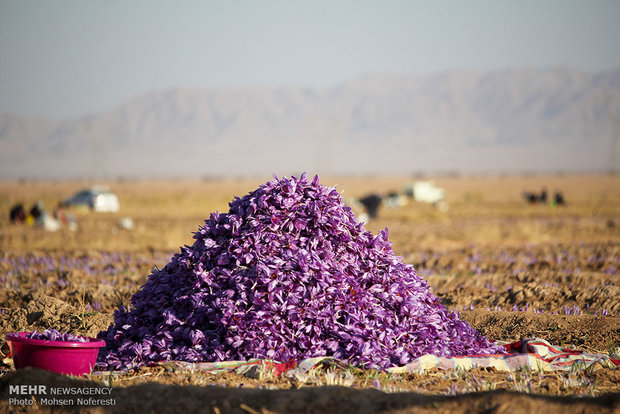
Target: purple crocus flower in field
{"points": [[288, 273], [52, 335]]}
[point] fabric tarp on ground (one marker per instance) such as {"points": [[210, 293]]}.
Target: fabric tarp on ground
{"points": [[534, 353]]}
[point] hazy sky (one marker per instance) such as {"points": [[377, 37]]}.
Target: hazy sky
{"points": [[67, 58]]}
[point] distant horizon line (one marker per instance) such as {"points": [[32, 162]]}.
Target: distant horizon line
{"points": [[416, 175]]}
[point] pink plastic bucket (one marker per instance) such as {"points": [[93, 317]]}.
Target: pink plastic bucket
{"points": [[69, 358]]}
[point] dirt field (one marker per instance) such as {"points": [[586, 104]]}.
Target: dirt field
{"points": [[513, 270]]}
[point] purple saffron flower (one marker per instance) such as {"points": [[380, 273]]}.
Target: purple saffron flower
{"points": [[288, 273], [52, 335]]}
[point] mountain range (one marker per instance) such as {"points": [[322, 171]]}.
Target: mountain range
{"points": [[512, 120]]}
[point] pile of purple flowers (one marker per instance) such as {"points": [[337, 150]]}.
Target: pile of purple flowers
{"points": [[52, 335], [288, 273]]}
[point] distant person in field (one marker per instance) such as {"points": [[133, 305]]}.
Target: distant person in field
{"points": [[65, 218], [59, 213], [371, 204], [543, 196], [18, 213], [37, 211], [534, 198], [558, 199]]}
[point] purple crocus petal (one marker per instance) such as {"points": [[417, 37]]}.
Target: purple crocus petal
{"points": [[54, 335], [288, 273]]}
